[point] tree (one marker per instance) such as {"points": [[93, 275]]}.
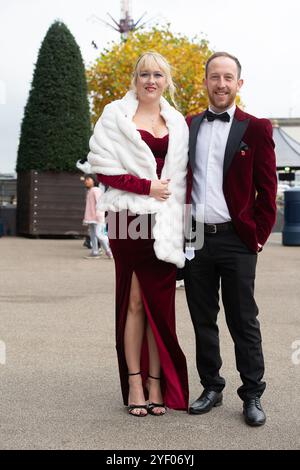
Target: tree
{"points": [[56, 126], [109, 78]]}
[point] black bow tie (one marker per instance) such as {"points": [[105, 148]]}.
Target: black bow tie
{"points": [[212, 116]]}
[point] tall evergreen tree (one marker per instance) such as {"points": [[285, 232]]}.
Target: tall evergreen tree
{"points": [[56, 126]]}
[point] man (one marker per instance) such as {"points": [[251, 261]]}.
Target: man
{"points": [[232, 176]]}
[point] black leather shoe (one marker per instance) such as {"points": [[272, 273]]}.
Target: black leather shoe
{"points": [[207, 400], [253, 413]]}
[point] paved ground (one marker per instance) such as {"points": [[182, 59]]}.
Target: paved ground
{"points": [[60, 387]]}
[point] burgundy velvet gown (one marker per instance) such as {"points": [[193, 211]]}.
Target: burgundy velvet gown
{"points": [[157, 281]]}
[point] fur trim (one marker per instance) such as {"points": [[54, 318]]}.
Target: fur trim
{"points": [[84, 167], [116, 148]]}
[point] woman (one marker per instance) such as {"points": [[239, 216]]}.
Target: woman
{"points": [[139, 151]]}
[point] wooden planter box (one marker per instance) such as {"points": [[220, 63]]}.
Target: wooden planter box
{"points": [[50, 203]]}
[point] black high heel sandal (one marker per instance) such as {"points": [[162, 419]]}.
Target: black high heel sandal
{"points": [[153, 405], [132, 407]]}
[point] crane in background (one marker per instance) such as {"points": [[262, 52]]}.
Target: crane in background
{"points": [[125, 24]]}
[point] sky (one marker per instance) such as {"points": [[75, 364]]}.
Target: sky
{"points": [[263, 34]]}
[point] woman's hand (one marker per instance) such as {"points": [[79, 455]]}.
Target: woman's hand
{"points": [[159, 189]]}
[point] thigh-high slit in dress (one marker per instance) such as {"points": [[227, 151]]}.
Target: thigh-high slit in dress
{"points": [[157, 280]]}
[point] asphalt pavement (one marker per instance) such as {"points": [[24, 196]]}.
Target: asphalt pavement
{"points": [[59, 382]]}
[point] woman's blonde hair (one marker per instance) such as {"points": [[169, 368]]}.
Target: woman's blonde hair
{"points": [[145, 60]]}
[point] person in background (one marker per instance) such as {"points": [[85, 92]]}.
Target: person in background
{"points": [[95, 219]]}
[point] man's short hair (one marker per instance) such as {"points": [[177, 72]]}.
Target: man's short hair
{"points": [[224, 54]]}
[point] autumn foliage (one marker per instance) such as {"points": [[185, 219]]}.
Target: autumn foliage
{"points": [[109, 78]]}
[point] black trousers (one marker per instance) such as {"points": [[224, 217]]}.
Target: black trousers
{"points": [[225, 259]]}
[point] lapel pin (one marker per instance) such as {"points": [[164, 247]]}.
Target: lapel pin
{"points": [[243, 153]]}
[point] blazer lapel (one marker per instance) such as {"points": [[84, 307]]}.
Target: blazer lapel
{"points": [[237, 130], [194, 128]]}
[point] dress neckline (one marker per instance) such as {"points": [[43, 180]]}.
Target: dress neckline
{"points": [[144, 130]]}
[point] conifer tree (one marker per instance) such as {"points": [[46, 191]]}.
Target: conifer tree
{"points": [[56, 126]]}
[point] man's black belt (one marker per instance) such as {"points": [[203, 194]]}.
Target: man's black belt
{"points": [[216, 228]]}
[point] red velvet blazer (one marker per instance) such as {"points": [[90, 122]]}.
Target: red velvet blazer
{"points": [[249, 175]]}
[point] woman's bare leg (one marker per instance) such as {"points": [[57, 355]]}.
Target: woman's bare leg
{"points": [[133, 339], [154, 388]]}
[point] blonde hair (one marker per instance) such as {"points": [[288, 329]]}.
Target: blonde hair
{"points": [[147, 59]]}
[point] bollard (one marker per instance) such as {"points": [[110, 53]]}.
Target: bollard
{"points": [[291, 227]]}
